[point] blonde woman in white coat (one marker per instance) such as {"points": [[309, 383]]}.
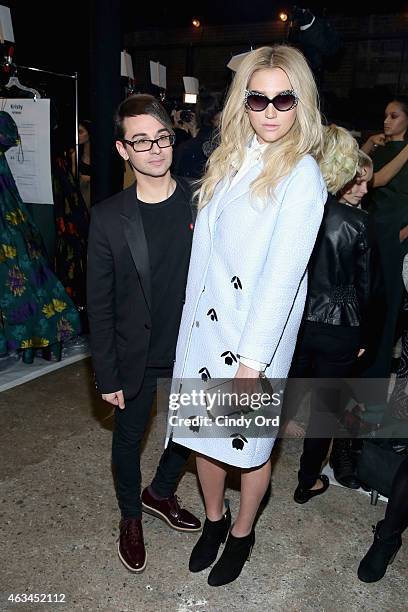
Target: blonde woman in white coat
{"points": [[260, 207]]}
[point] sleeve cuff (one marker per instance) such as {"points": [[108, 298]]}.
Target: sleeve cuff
{"points": [[251, 363]]}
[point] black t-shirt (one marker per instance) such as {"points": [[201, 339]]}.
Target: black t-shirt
{"points": [[168, 229]]}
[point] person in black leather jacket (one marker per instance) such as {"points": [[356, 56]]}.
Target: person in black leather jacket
{"points": [[333, 335]]}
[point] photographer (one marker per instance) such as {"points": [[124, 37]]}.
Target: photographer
{"points": [[192, 155], [185, 124]]}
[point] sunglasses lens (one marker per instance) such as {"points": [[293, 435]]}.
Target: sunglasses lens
{"points": [[284, 102], [257, 103]]}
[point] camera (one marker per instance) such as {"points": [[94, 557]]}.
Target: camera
{"points": [[186, 116]]}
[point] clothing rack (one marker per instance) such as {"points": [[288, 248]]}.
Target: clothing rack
{"points": [[68, 76]]}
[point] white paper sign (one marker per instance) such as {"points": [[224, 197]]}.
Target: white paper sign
{"points": [[32, 173], [162, 76], [126, 65], [154, 73], [191, 85], [158, 74], [6, 26]]}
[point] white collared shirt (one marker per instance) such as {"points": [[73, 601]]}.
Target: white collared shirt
{"points": [[254, 152]]}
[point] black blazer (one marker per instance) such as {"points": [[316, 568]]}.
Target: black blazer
{"points": [[344, 271], [119, 292]]}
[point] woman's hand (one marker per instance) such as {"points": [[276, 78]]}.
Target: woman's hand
{"points": [[246, 372], [246, 381], [377, 140], [374, 141]]}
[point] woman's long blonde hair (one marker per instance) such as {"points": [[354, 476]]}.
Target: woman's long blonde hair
{"points": [[280, 157], [339, 159]]}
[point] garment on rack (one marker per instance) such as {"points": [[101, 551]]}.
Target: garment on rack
{"points": [[70, 221], [42, 215], [64, 226], [72, 224], [35, 310]]}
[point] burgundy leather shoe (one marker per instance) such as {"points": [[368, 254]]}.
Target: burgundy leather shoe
{"points": [[169, 510], [131, 549]]}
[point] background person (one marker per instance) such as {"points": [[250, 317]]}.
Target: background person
{"points": [[331, 338], [387, 533], [387, 202], [84, 160], [191, 156]]}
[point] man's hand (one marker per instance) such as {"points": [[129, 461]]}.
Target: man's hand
{"points": [[360, 352], [403, 235], [115, 398]]}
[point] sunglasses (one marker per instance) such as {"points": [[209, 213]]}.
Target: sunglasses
{"points": [[283, 102]]}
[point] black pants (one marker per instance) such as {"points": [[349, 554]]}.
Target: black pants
{"points": [[130, 425], [322, 351], [396, 515]]}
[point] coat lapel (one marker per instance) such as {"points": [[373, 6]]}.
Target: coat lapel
{"points": [[136, 239], [224, 198], [238, 190], [215, 202]]}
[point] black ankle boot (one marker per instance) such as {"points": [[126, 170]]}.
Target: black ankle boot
{"points": [[341, 461], [229, 565], [380, 554], [206, 549]]}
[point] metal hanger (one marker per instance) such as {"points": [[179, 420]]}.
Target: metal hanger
{"points": [[14, 82]]}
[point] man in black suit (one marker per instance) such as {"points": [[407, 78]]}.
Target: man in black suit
{"points": [[138, 256]]}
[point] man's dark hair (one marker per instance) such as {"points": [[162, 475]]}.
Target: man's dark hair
{"points": [[140, 104]]}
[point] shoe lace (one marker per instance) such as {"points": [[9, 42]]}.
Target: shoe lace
{"points": [[134, 532], [343, 456], [175, 503]]}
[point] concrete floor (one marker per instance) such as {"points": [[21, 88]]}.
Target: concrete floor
{"points": [[59, 523]]}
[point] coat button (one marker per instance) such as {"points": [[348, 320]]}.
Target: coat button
{"points": [[147, 326], [197, 324]]}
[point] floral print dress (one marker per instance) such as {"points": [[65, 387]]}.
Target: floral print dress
{"points": [[35, 310]]}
